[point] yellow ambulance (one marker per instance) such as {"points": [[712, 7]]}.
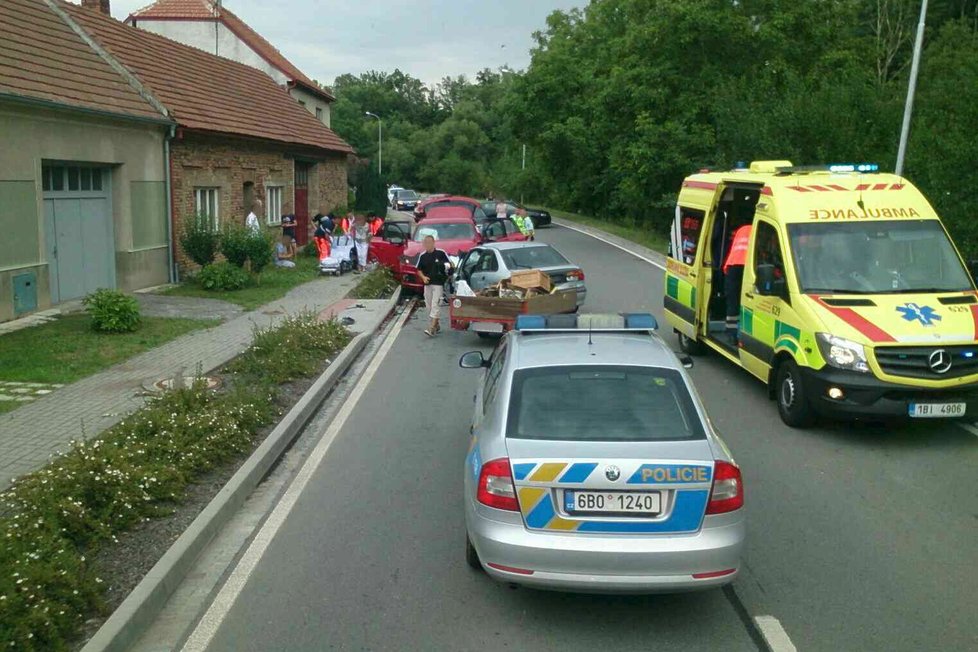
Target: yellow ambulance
{"points": [[851, 299]]}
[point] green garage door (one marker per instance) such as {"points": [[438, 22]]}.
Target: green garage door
{"points": [[78, 230]]}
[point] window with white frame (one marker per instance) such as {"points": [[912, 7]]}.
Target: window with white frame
{"points": [[273, 204], [207, 204]]}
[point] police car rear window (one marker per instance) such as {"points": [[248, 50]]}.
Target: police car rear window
{"points": [[602, 403]]}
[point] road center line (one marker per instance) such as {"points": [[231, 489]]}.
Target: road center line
{"points": [[211, 621], [614, 244], [774, 634]]}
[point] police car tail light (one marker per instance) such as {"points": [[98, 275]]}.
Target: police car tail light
{"points": [[727, 494], [496, 487]]}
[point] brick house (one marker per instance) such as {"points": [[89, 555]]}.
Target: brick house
{"points": [[212, 27], [238, 136]]}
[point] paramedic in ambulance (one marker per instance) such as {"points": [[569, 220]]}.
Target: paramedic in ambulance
{"points": [[733, 278]]}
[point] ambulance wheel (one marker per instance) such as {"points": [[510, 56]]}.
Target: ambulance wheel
{"points": [[793, 404], [689, 346], [471, 556]]}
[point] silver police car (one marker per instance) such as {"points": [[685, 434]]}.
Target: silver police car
{"points": [[593, 466]]}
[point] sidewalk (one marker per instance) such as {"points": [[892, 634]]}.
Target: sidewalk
{"points": [[31, 434]]}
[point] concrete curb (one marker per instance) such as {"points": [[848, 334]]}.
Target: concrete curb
{"points": [[141, 607], [648, 255]]}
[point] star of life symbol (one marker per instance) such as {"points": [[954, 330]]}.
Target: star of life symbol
{"points": [[915, 312]]}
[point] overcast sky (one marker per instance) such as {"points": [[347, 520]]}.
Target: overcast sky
{"points": [[428, 39]]}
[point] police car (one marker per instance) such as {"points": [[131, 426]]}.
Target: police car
{"points": [[593, 466]]}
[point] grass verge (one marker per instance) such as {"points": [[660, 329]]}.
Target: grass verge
{"points": [[627, 228], [67, 349], [378, 284], [273, 283], [53, 521]]}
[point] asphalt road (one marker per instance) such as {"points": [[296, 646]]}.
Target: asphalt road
{"points": [[861, 537]]}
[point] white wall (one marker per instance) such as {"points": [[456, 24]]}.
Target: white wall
{"points": [[214, 38], [312, 102]]}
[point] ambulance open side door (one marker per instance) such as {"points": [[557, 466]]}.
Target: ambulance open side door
{"points": [[684, 292]]}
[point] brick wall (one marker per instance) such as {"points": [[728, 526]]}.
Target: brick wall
{"points": [[228, 164]]}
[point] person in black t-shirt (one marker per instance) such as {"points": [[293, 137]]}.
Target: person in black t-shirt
{"points": [[433, 268]]}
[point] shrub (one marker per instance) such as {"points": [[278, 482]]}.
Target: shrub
{"points": [[200, 239], [378, 284], [294, 348], [221, 277], [260, 251], [234, 244], [112, 311]]}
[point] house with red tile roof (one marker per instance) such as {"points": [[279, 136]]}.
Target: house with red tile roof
{"points": [[113, 137], [212, 27]]}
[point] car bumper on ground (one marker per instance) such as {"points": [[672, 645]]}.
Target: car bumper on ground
{"points": [[614, 564], [864, 395]]}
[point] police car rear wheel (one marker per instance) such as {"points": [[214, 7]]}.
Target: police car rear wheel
{"points": [[793, 403], [689, 346], [471, 556]]}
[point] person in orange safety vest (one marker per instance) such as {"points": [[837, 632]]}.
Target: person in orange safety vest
{"points": [[733, 277], [374, 222]]}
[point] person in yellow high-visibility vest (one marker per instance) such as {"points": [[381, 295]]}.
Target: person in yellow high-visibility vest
{"points": [[523, 223]]}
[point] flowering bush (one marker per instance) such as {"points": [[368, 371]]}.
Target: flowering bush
{"points": [[53, 518]]}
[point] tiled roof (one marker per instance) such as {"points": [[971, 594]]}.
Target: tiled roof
{"points": [[205, 92], [207, 10], [41, 57]]}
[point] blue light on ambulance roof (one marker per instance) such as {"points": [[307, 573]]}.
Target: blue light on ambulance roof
{"points": [[854, 167]]}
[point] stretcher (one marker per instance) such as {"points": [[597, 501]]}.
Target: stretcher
{"points": [[339, 257]]}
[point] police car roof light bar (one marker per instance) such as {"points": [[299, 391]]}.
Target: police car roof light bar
{"points": [[634, 322]]}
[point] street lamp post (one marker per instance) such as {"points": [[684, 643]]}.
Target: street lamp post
{"points": [[911, 88], [380, 142]]}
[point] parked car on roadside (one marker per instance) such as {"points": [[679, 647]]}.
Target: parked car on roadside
{"points": [[491, 263], [391, 189]]}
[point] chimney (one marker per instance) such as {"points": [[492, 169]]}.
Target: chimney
{"points": [[98, 5]]}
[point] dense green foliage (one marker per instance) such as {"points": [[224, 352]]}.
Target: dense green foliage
{"points": [[112, 311], [200, 239], [222, 277], [625, 97], [377, 284], [53, 521]]}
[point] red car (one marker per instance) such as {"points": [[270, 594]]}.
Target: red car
{"points": [[474, 206]]}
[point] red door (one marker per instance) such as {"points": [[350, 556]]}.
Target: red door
{"points": [[387, 246], [301, 203]]}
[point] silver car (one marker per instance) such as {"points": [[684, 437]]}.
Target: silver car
{"points": [[491, 263], [593, 466]]}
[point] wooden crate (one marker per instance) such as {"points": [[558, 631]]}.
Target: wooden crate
{"points": [[530, 278]]}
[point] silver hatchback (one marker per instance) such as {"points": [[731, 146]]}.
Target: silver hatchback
{"points": [[593, 466]]}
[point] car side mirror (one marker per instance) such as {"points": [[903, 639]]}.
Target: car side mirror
{"points": [[473, 360], [685, 361]]}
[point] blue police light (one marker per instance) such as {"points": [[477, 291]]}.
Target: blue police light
{"points": [[854, 167], [640, 320], [530, 322], [968, 354]]}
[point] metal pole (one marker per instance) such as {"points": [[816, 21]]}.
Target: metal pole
{"points": [[522, 168], [911, 89], [380, 147]]}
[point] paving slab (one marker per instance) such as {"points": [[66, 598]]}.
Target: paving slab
{"points": [[46, 424]]}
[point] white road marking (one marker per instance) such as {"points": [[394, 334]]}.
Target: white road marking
{"points": [[774, 634], [209, 624], [614, 244], [967, 426]]}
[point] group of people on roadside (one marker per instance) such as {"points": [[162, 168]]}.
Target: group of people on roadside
{"points": [[359, 227], [520, 218]]}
